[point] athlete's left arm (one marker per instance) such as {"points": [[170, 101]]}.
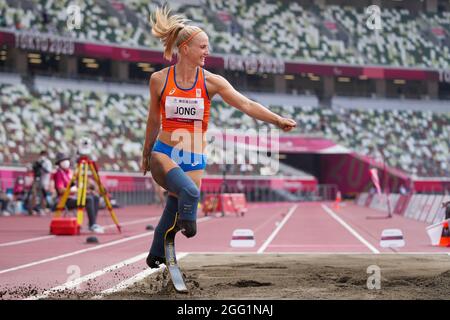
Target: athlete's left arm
{"points": [[219, 85]]}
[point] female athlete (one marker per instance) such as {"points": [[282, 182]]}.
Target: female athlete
{"points": [[175, 138]]}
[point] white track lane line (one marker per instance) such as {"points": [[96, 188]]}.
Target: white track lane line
{"points": [[84, 250], [351, 253], [277, 229], [129, 223], [13, 243], [75, 283], [137, 277], [350, 229]]}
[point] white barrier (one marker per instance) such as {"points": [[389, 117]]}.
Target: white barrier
{"points": [[393, 199], [362, 199], [440, 215], [426, 207], [377, 201], [434, 210], [380, 202], [413, 203], [421, 207], [434, 232]]}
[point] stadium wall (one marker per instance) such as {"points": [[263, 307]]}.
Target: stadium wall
{"points": [[350, 172], [421, 207], [43, 42], [116, 181]]}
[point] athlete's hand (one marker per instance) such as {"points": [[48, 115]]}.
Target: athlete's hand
{"points": [[145, 163], [286, 124]]}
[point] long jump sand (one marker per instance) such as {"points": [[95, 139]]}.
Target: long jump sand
{"points": [[303, 276]]}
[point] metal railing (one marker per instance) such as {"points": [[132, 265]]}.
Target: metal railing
{"points": [[260, 192], [132, 193]]}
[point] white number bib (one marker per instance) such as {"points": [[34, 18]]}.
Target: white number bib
{"points": [[184, 108]]}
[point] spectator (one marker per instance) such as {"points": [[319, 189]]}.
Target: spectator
{"points": [[403, 190], [19, 193], [4, 202], [62, 177], [29, 177], [46, 170], [446, 205], [19, 189]]}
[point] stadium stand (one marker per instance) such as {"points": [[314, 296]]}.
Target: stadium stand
{"points": [[330, 33], [41, 111], [415, 141], [400, 42]]}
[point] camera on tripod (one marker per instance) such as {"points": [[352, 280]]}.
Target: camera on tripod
{"points": [[37, 168], [85, 146]]}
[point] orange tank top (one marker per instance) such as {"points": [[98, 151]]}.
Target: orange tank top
{"points": [[184, 108]]}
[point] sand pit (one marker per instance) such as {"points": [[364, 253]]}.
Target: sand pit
{"points": [[306, 276]]}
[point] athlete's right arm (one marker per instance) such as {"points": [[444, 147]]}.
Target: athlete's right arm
{"points": [[153, 119]]}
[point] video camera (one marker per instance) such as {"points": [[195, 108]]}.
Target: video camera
{"points": [[37, 168]]}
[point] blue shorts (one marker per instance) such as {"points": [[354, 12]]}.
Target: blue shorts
{"points": [[187, 161]]}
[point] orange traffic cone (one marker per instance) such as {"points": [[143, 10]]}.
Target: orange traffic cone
{"points": [[445, 237], [338, 199]]}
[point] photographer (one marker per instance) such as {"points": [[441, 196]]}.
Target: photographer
{"points": [[62, 178], [446, 205], [42, 169], [46, 170], [4, 202]]}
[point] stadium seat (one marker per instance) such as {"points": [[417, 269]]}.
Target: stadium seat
{"points": [[414, 141], [254, 28]]}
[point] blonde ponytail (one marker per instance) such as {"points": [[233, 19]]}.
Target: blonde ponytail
{"points": [[172, 30]]}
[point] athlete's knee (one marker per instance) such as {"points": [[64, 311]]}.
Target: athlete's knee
{"points": [[190, 192], [189, 197], [176, 179]]}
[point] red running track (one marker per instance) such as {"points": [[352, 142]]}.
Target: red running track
{"points": [[47, 261]]}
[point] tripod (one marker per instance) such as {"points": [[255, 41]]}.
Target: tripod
{"points": [[36, 191], [81, 174]]}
